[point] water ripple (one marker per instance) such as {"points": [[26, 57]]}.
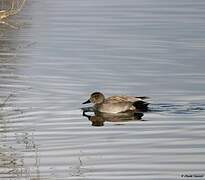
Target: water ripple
{"points": [[65, 50]]}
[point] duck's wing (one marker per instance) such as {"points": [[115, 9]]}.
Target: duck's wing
{"points": [[127, 103], [117, 99]]}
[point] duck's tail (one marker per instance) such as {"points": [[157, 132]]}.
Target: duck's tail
{"points": [[142, 97], [141, 106]]}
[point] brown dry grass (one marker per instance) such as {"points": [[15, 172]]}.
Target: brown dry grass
{"points": [[15, 6]]}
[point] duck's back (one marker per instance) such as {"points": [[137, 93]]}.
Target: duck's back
{"points": [[123, 99]]}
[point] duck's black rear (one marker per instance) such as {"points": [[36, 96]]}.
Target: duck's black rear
{"points": [[141, 106]]}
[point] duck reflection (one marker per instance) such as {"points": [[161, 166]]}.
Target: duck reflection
{"points": [[99, 118]]}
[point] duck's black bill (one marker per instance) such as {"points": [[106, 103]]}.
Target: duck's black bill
{"points": [[86, 102]]}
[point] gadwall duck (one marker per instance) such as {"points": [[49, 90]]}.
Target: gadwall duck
{"points": [[117, 104]]}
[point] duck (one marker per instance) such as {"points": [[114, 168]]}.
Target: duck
{"points": [[117, 104]]}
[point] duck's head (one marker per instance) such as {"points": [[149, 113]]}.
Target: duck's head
{"points": [[95, 98]]}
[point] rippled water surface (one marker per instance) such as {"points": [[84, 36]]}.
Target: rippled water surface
{"points": [[55, 53]]}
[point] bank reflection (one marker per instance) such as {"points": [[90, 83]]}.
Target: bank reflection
{"points": [[13, 142], [19, 153]]}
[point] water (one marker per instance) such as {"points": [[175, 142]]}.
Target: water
{"points": [[61, 51]]}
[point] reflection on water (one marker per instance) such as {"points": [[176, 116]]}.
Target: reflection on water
{"points": [[71, 48], [12, 162], [15, 139], [99, 118], [14, 142]]}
